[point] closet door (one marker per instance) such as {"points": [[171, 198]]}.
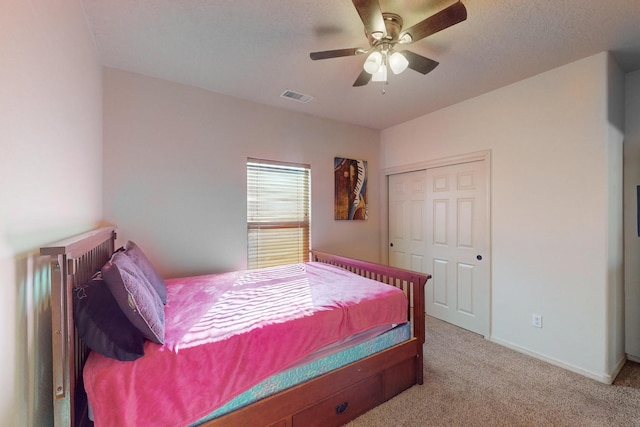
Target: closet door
{"points": [[458, 248], [407, 221], [438, 224]]}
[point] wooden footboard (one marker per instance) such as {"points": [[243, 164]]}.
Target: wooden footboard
{"points": [[339, 396], [329, 400], [411, 282]]}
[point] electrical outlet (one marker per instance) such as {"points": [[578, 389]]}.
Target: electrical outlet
{"points": [[536, 321]]}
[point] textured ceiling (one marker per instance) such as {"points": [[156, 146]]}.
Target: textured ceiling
{"points": [[255, 50]]}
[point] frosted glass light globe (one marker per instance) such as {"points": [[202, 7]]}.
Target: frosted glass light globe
{"points": [[373, 62]]}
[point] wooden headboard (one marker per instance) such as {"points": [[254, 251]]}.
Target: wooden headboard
{"points": [[73, 262]]}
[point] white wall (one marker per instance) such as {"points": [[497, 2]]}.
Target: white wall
{"points": [[632, 241], [50, 182], [614, 112], [552, 147], [175, 172]]}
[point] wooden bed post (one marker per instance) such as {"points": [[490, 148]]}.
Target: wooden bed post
{"points": [[61, 348], [73, 261], [419, 325]]}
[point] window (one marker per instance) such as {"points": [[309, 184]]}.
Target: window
{"points": [[278, 212]]}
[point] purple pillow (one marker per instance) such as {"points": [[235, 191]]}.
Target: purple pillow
{"points": [[138, 257], [101, 324], [135, 296]]}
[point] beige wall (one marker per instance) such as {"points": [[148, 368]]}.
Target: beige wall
{"points": [[175, 172], [50, 182], [632, 241], [174, 181], [555, 224]]}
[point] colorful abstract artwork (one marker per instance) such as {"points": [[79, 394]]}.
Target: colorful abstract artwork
{"points": [[350, 189]]}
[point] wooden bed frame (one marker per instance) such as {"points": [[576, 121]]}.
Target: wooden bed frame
{"points": [[332, 399]]}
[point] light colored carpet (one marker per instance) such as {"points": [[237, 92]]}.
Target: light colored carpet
{"points": [[470, 381], [629, 376]]}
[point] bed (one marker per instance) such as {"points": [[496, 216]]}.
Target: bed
{"points": [[326, 398]]}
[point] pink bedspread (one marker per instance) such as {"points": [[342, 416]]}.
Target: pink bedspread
{"points": [[225, 333]]}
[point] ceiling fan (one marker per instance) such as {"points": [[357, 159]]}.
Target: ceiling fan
{"points": [[384, 32]]}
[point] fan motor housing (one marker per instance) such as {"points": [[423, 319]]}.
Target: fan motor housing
{"points": [[393, 25]]}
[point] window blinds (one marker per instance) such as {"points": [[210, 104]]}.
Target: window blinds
{"points": [[278, 213]]}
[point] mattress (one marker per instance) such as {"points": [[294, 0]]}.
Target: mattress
{"points": [[226, 333]]}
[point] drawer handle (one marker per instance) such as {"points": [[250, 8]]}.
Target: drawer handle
{"points": [[342, 408]]}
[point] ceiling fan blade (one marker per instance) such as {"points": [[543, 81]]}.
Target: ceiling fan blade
{"points": [[419, 63], [444, 19], [371, 15], [362, 79], [326, 54]]}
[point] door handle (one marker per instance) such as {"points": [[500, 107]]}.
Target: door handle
{"points": [[391, 244], [479, 257]]}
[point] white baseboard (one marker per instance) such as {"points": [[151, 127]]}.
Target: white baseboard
{"points": [[633, 358], [601, 377], [618, 367]]}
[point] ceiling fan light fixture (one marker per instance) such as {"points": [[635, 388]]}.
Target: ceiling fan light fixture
{"points": [[384, 31], [380, 75], [398, 62], [405, 38], [373, 62]]}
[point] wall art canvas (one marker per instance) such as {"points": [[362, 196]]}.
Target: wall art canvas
{"points": [[350, 189]]}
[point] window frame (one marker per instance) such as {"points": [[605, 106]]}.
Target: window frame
{"points": [[265, 246]]}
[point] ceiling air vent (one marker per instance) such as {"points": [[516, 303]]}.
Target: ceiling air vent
{"points": [[300, 97]]}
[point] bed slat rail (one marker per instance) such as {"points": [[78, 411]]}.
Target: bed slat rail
{"points": [[73, 262]]}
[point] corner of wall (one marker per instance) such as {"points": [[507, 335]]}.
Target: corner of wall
{"points": [[631, 238]]}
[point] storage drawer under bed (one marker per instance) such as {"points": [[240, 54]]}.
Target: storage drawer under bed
{"points": [[343, 406]]}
